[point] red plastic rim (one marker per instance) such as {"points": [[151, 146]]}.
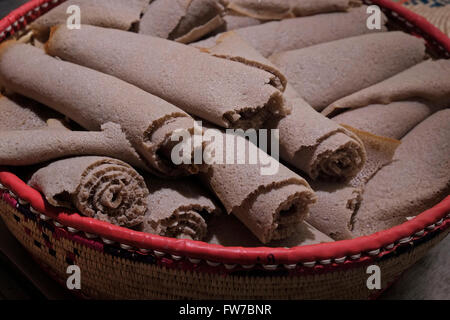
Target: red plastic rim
{"points": [[439, 214]]}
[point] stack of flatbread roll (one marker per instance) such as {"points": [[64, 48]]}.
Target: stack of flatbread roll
{"points": [[357, 119]]}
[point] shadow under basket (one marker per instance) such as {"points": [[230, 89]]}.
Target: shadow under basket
{"points": [[119, 263]]}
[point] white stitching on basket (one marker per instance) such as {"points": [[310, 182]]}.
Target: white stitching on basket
{"points": [[340, 260], [229, 266], [29, 13], [405, 240], [8, 29], [159, 254], [390, 246], [22, 202], [193, 260], [355, 256], [15, 24], [374, 252], [144, 250], [176, 258], [248, 266], [270, 267], [57, 224], [45, 5], [431, 227], [43, 217], [290, 266], [125, 246], [419, 233], [37, 8], [325, 262], [212, 263], [2, 35], [55, 1], [72, 230], [90, 235], [439, 222], [33, 210], [107, 241], [309, 264], [22, 19], [12, 194]]}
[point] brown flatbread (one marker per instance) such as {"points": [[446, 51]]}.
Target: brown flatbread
{"points": [[233, 21], [20, 113], [297, 33], [92, 99], [34, 146], [226, 93], [326, 72], [228, 231], [178, 209], [270, 204], [277, 10], [181, 20], [304, 131], [332, 213], [317, 145], [103, 188], [337, 204], [392, 120], [118, 14], [427, 81], [417, 179]]}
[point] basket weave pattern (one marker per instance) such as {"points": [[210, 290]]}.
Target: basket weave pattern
{"points": [[121, 263]]}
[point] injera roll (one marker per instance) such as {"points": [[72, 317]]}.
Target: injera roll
{"points": [[28, 147], [223, 92], [297, 33], [304, 131], [181, 20], [317, 145], [118, 14], [427, 82], [337, 204], [392, 120], [326, 72], [232, 47], [270, 205], [228, 231], [20, 113], [417, 179], [103, 188], [277, 10], [178, 209], [92, 99]]}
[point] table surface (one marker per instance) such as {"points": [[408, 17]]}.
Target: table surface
{"points": [[20, 278]]}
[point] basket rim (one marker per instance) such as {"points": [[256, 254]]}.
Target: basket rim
{"points": [[438, 215]]}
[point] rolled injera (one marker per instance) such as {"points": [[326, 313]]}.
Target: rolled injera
{"points": [[92, 99], [297, 33], [417, 179], [34, 146], [392, 120], [223, 92], [337, 203], [103, 188], [228, 231], [277, 10], [270, 204], [308, 140], [178, 209], [181, 20], [428, 82], [20, 113], [118, 14], [326, 72]]}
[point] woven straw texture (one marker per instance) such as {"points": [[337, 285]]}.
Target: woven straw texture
{"points": [[112, 275]]}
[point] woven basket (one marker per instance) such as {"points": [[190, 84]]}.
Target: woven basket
{"points": [[118, 263]]}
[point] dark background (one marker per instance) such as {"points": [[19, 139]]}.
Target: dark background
{"points": [[428, 279]]}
